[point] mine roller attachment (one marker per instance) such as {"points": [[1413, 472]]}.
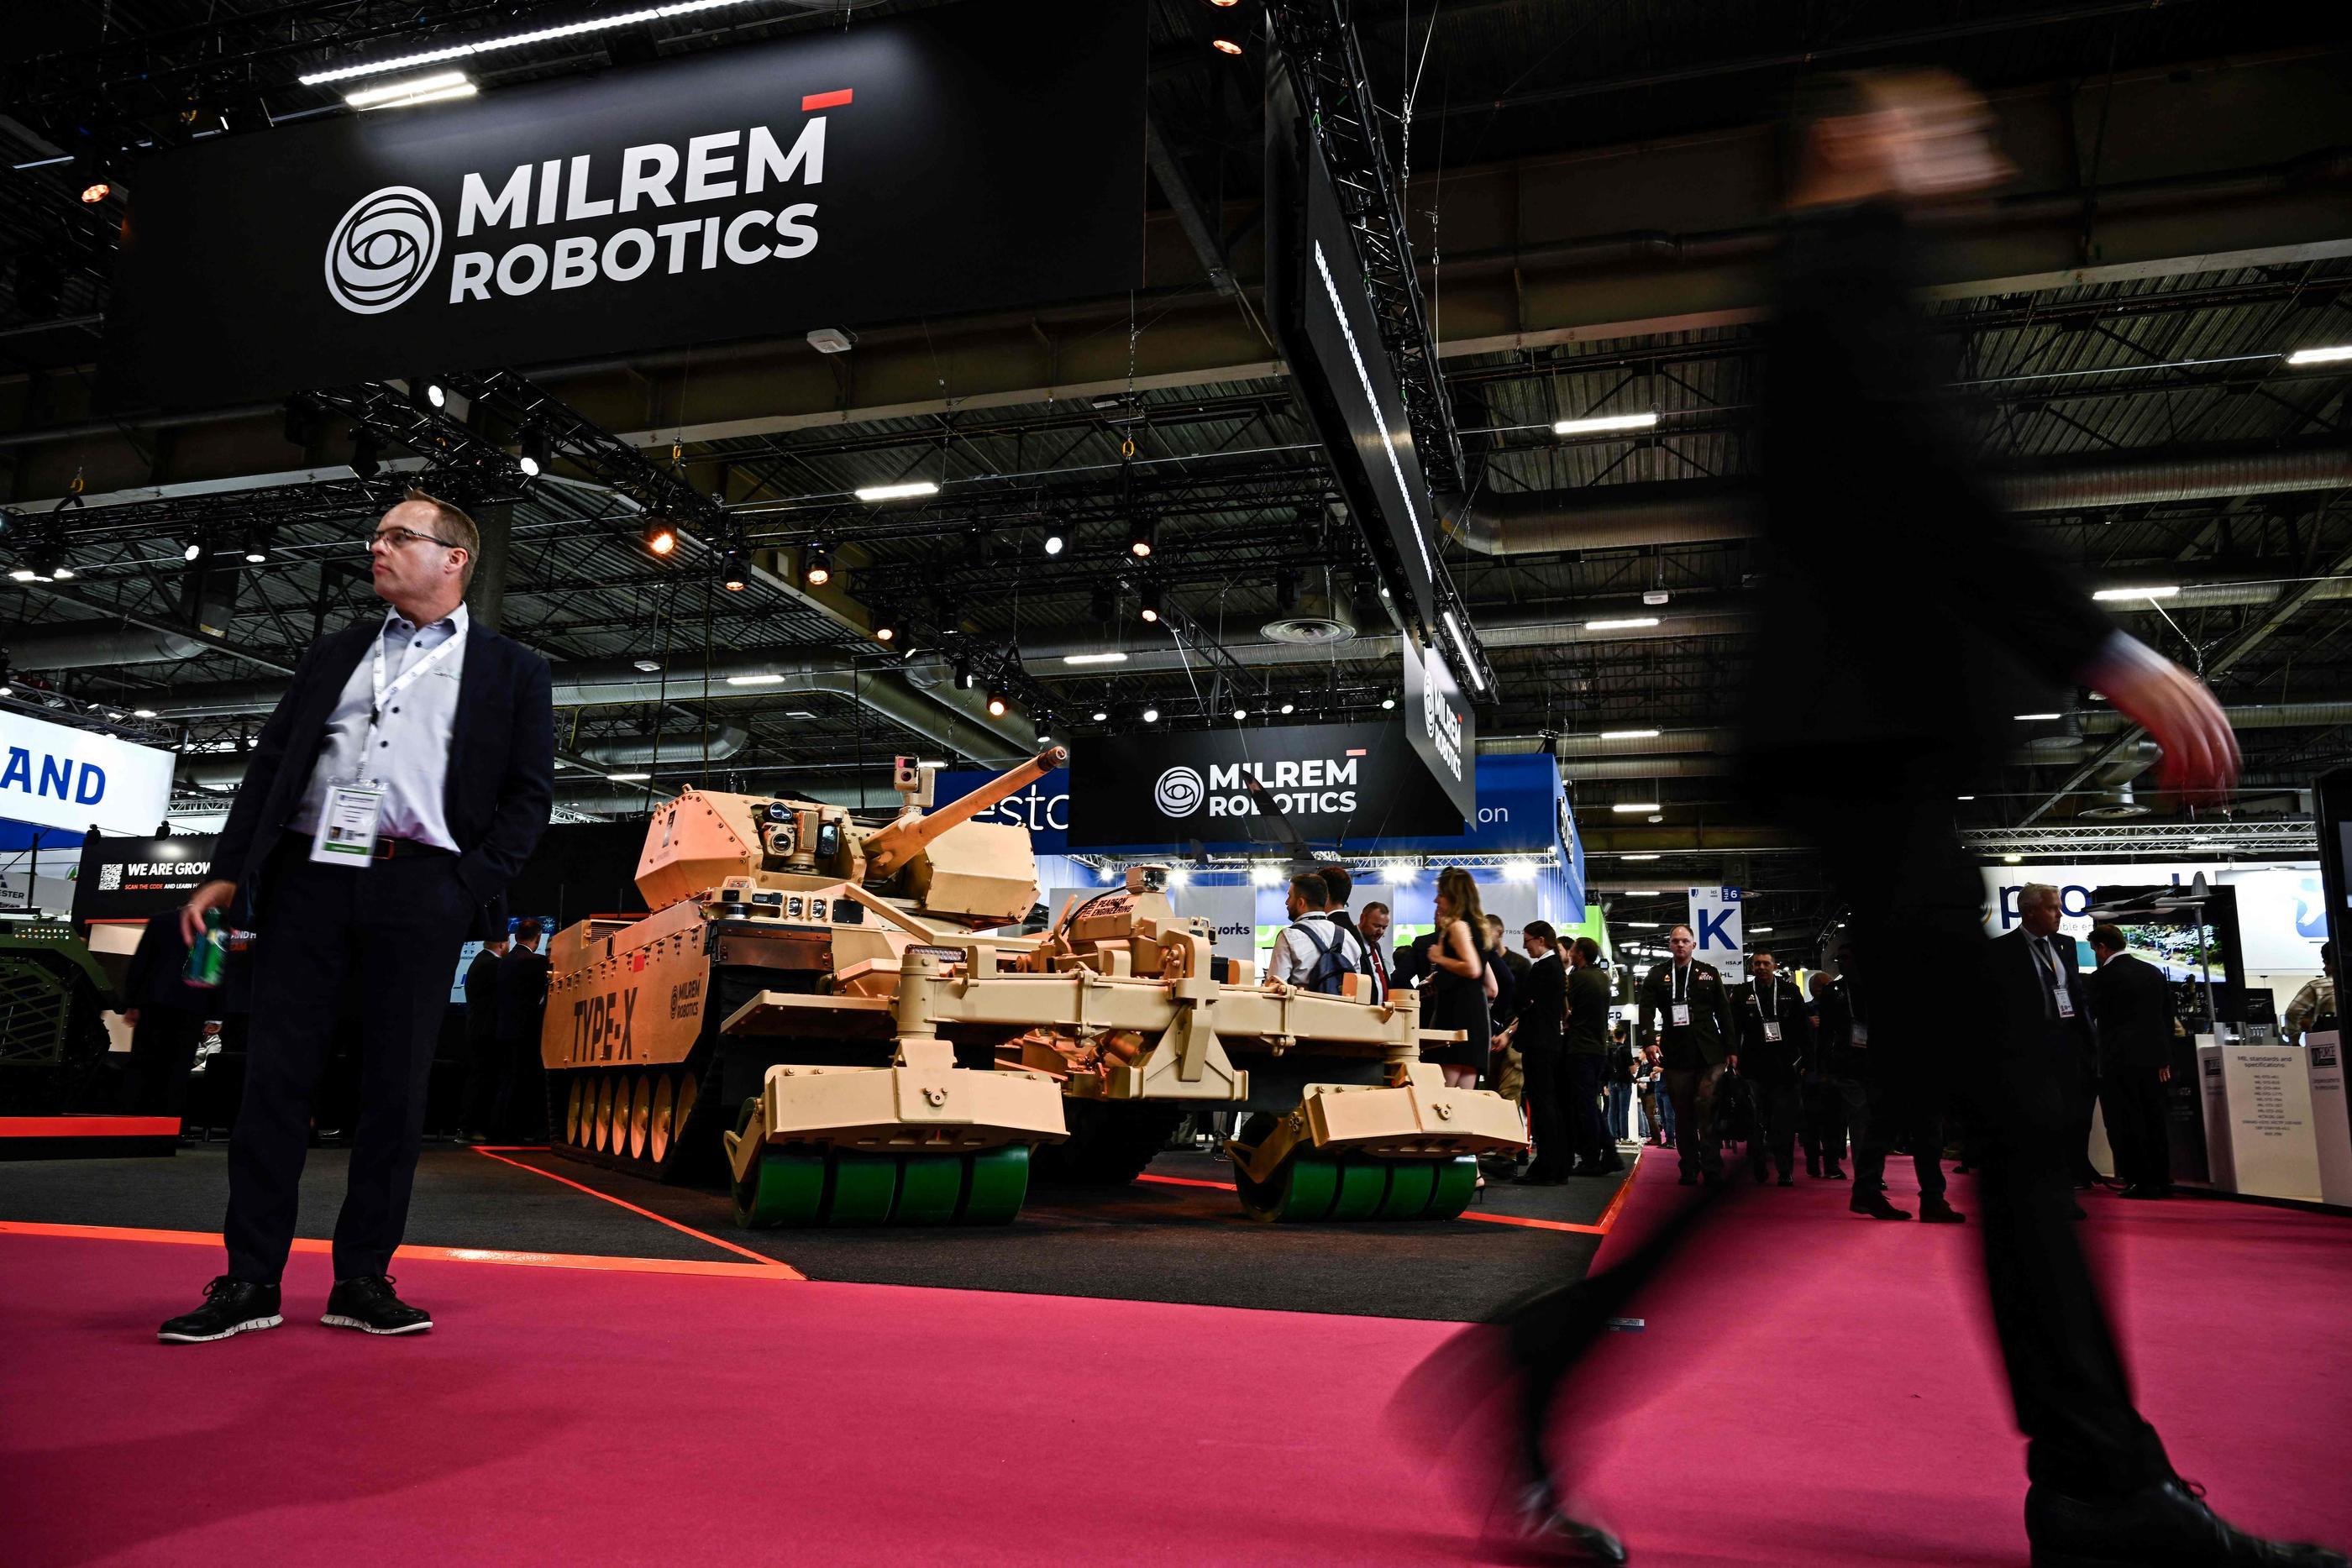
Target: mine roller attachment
{"points": [[922, 1142], [1407, 1151]]}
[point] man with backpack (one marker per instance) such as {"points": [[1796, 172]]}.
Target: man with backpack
{"points": [[1312, 952]]}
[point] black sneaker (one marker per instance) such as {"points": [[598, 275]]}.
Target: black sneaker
{"points": [[366, 1303], [2166, 1525], [1940, 1213], [231, 1307], [1874, 1207]]}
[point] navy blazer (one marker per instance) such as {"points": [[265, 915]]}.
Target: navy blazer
{"points": [[2019, 987], [501, 771]]}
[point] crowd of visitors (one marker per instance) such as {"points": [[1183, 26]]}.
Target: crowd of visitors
{"points": [[1776, 1069]]}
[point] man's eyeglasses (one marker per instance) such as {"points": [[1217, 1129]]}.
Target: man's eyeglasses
{"points": [[401, 539]]}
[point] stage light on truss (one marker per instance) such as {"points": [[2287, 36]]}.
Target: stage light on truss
{"points": [[1148, 600], [1224, 45], [535, 450], [1143, 537], [258, 543], [816, 564], [1000, 701], [660, 538], [731, 575], [1101, 715], [1151, 714]]}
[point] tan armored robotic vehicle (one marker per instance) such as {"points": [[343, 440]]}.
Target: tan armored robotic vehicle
{"points": [[893, 1055]]}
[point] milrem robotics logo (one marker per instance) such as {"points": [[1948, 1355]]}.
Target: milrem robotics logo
{"points": [[1179, 792], [385, 249]]}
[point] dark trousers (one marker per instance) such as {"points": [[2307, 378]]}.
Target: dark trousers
{"points": [[387, 933], [1779, 1109], [2082, 1099], [1889, 848], [162, 1049], [1841, 1109], [1692, 1090], [1544, 1095], [1587, 1130], [2133, 1105], [485, 1075], [1902, 1110], [523, 1091]]}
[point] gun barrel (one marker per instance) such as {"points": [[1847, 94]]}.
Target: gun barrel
{"points": [[899, 842]]}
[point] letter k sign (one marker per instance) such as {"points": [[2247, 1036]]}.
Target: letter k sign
{"points": [[1711, 932]]}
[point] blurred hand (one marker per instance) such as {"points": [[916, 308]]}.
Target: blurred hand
{"points": [[130, 1017], [2164, 1075], [2200, 755], [213, 895]]}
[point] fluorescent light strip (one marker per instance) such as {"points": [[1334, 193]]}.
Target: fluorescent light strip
{"points": [[1605, 421], [1114, 657], [628, 777], [2327, 356], [441, 94], [2162, 590], [1463, 642], [1620, 625], [517, 40], [360, 98], [755, 680], [2032, 717], [1629, 734], [1637, 857], [1637, 893], [1635, 806], [898, 492]]}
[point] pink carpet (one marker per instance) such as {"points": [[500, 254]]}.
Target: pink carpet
{"points": [[1821, 1393]]}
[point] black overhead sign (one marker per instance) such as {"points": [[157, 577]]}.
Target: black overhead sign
{"points": [[1440, 727], [972, 158], [134, 879], [1323, 314], [1338, 784]]}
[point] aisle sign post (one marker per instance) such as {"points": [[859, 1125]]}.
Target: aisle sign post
{"points": [[1714, 925]]}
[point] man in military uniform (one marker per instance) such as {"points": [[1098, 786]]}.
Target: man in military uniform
{"points": [[1684, 1008], [1774, 1038]]}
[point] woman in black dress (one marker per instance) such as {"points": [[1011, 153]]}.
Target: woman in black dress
{"points": [[1454, 994]]}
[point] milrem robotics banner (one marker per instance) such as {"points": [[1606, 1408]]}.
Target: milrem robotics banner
{"points": [[1336, 784], [977, 157]]}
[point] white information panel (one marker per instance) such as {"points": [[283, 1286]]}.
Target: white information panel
{"points": [[61, 777], [2331, 1119], [2220, 1170], [2272, 1150]]}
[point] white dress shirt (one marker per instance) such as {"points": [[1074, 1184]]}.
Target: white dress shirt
{"points": [[1293, 953], [411, 752]]}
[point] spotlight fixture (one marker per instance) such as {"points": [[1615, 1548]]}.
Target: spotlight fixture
{"points": [[94, 194], [257, 547], [816, 564], [1224, 45], [426, 394], [884, 632], [1055, 539], [648, 667], [731, 576], [1102, 715], [142, 713], [1387, 703], [898, 492], [1143, 537], [964, 680], [1289, 708], [1240, 714], [1148, 596], [1151, 715], [24, 571], [192, 549], [999, 701], [535, 452], [660, 538]]}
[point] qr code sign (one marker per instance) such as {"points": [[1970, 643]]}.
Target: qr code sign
{"points": [[110, 877]]}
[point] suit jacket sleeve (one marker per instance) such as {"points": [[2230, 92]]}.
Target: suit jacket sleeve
{"points": [[262, 766], [526, 787], [1649, 1010]]}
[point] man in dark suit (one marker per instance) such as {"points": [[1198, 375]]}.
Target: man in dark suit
{"points": [[399, 784], [1908, 607], [2046, 1004], [2133, 1008], [484, 1071], [1684, 1007], [1775, 1040], [522, 1003], [1587, 1061], [1536, 1033]]}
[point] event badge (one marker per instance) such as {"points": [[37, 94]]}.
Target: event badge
{"points": [[1682, 1015], [347, 824], [2066, 1001], [1771, 1032], [1861, 1033]]}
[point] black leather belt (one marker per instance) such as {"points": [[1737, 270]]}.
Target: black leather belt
{"points": [[399, 849]]}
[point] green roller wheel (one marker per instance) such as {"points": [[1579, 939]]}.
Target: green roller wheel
{"points": [[1301, 1189], [995, 1183], [1363, 1184], [1409, 1184], [863, 1187], [928, 1185], [1457, 1179]]}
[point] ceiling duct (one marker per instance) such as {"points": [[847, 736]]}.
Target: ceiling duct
{"points": [[1318, 621], [2115, 807], [84, 645], [1614, 517], [681, 746]]}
